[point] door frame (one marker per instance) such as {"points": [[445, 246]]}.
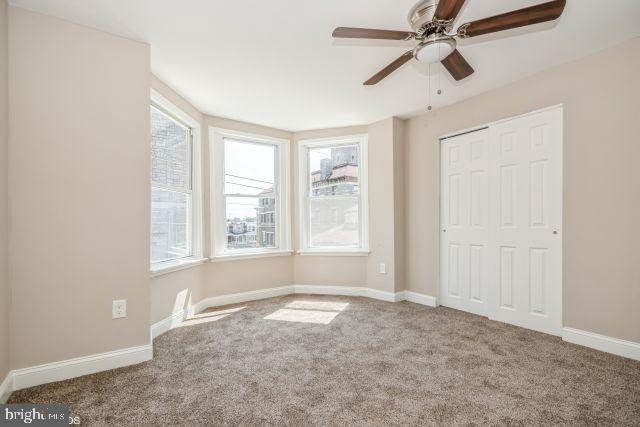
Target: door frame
{"points": [[440, 201]]}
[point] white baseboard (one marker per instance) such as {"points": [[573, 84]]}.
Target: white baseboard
{"points": [[241, 297], [383, 295], [6, 387], [423, 299], [361, 291], [604, 343], [353, 291], [172, 321], [79, 366]]}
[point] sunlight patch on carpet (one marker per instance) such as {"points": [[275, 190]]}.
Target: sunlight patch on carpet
{"points": [[208, 316], [304, 316], [318, 305]]}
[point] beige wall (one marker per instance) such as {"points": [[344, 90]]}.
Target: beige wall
{"points": [[230, 277], [5, 294], [79, 188], [381, 206], [601, 98], [399, 201], [173, 292]]}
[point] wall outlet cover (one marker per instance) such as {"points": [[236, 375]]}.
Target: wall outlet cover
{"points": [[119, 308]]}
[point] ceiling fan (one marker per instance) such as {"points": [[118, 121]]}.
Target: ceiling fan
{"points": [[432, 21]]}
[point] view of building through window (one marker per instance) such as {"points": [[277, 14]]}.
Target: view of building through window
{"points": [[170, 188], [250, 194], [334, 199]]}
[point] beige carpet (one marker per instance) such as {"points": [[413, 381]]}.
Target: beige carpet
{"points": [[309, 360]]}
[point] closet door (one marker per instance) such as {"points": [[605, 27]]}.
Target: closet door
{"points": [[525, 207], [464, 215]]}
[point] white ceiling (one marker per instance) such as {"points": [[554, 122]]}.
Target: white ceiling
{"points": [[273, 62]]}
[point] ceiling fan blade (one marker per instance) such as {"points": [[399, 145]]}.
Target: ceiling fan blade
{"points": [[457, 66], [368, 33], [518, 18], [448, 9], [389, 68]]}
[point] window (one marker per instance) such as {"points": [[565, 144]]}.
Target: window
{"points": [[249, 194], [174, 202], [333, 195]]}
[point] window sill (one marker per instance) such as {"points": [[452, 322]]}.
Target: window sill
{"points": [[162, 268], [249, 255], [315, 252]]}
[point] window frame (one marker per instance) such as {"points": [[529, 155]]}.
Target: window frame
{"points": [[219, 252], [195, 225], [304, 198]]}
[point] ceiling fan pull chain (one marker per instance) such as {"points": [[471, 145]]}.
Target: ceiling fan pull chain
{"points": [[429, 89], [439, 59]]}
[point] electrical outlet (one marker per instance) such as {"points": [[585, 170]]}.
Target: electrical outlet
{"points": [[119, 308], [383, 268]]}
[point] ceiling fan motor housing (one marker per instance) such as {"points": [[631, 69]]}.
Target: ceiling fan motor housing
{"points": [[422, 14], [434, 43]]}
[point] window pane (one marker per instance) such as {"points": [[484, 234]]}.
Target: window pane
{"points": [[333, 170], [334, 222], [249, 168], [169, 151], [169, 230], [251, 221]]}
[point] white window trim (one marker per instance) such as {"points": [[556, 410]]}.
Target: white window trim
{"points": [[175, 265], [196, 231], [303, 190], [218, 214]]}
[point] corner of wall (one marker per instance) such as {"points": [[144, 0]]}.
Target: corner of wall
{"points": [[5, 291], [399, 202]]}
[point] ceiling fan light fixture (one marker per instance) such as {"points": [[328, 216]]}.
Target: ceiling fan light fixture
{"points": [[434, 49]]}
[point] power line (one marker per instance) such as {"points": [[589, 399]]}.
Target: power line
{"points": [[242, 204], [250, 179], [245, 185]]}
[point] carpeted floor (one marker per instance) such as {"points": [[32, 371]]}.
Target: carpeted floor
{"points": [[320, 360]]}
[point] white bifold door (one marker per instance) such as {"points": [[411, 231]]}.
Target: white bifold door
{"points": [[464, 217], [501, 216]]}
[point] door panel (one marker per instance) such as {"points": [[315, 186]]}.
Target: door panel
{"points": [[464, 217], [507, 276], [526, 238], [501, 215]]}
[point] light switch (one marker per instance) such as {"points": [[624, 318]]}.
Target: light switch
{"points": [[383, 268]]}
